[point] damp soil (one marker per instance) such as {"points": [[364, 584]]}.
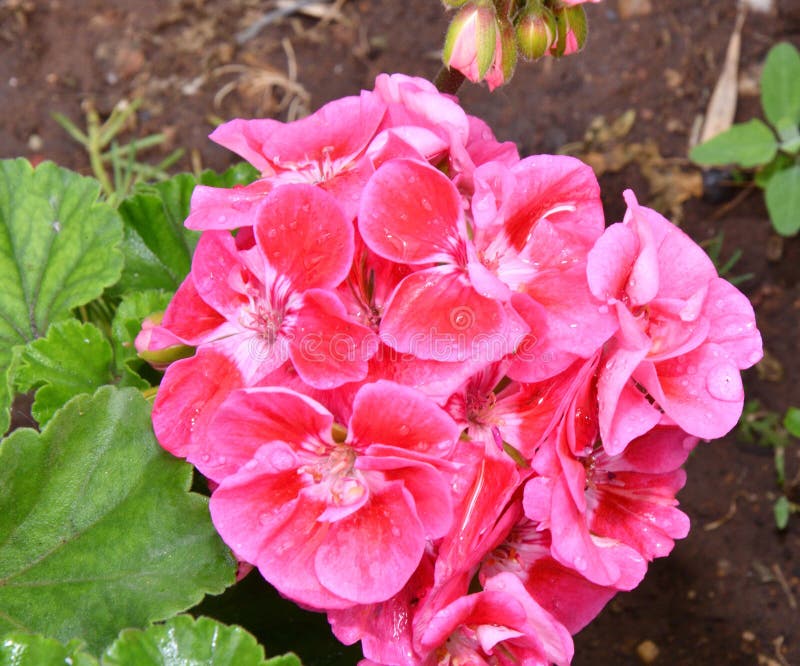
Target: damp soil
{"points": [[729, 593]]}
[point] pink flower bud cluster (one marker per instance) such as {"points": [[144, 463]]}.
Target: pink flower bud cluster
{"points": [[486, 36], [436, 398]]}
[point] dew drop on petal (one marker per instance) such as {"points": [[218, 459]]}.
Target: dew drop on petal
{"points": [[724, 383]]}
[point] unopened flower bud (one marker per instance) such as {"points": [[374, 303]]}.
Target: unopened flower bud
{"points": [[158, 346], [472, 40], [536, 32], [572, 30], [454, 3]]}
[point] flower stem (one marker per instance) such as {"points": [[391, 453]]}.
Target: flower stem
{"points": [[448, 80]]}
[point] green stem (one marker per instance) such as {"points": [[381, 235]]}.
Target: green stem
{"points": [[448, 80]]}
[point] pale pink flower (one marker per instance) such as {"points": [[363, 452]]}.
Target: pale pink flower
{"points": [[684, 332]]}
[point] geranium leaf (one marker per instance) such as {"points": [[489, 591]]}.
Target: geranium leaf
{"points": [[780, 84], [17, 649], [184, 640], [72, 358], [126, 326], [59, 248], [748, 144], [158, 249], [782, 195], [239, 174], [98, 531]]}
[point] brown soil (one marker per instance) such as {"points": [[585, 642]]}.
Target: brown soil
{"points": [[729, 592]]}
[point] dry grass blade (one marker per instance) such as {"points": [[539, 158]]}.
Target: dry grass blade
{"points": [[273, 91], [722, 105]]}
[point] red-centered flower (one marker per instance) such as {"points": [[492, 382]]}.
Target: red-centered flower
{"points": [[684, 333], [411, 214], [534, 225], [274, 302], [332, 521]]}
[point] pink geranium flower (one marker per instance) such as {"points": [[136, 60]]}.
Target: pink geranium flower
{"points": [[326, 149], [301, 497], [684, 332], [450, 308], [500, 625], [273, 302]]}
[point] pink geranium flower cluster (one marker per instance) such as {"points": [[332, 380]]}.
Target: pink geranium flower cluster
{"points": [[435, 397]]}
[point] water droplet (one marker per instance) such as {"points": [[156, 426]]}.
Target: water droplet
{"points": [[205, 458], [724, 383], [404, 430]]}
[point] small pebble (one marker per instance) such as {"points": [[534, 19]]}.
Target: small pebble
{"points": [[35, 143], [647, 652]]}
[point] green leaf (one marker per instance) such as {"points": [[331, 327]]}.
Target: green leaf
{"points": [[748, 144], [158, 248], [17, 649], [780, 84], [239, 174], [73, 358], [781, 509], [98, 531], [59, 248], [126, 326], [782, 195], [184, 640], [792, 421], [763, 175]]}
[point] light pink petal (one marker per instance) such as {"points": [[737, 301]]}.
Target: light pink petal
{"points": [[249, 507], [429, 488], [683, 264], [409, 142], [254, 356], [638, 510], [624, 412], [567, 595], [561, 189], [249, 418], [288, 558], [189, 317], [411, 213], [663, 449], [437, 314], [226, 208], [336, 133], [381, 544], [328, 348], [551, 639], [387, 413], [701, 391], [305, 237], [243, 137], [437, 380], [187, 399], [215, 261], [609, 262], [733, 323]]}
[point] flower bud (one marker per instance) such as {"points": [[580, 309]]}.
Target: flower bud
{"points": [[572, 30], [536, 32], [472, 40], [157, 345], [454, 3]]}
